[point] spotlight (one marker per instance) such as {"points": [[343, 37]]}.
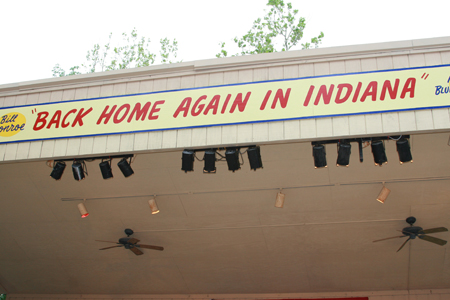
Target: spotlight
{"points": [[78, 170], [210, 161], [319, 154], [344, 150], [187, 161], [153, 206], [254, 157], [125, 167], [83, 211], [383, 194], [379, 155], [105, 168], [279, 202], [404, 151], [58, 170], [232, 156]]}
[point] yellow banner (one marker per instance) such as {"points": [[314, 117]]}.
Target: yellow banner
{"points": [[312, 97]]}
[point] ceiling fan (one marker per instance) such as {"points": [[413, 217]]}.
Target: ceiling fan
{"points": [[131, 243], [415, 231]]}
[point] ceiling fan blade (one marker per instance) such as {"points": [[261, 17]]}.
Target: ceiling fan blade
{"points": [[151, 247], [133, 241], [394, 237], [433, 230], [403, 244], [433, 240], [110, 247], [136, 251], [106, 241]]}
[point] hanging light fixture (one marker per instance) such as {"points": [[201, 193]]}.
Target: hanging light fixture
{"points": [[279, 201], [254, 157], [232, 156], [319, 154], [378, 151], [153, 206], [78, 169], [58, 170], [344, 150], [384, 193], [210, 161], [105, 168], [125, 167], [83, 211], [187, 161], [404, 150]]}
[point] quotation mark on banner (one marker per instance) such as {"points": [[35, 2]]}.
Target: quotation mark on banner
{"points": [[425, 76], [33, 111]]}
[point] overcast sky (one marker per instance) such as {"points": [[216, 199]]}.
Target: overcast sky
{"points": [[35, 35]]}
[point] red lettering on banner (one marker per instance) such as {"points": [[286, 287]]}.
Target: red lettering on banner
{"points": [[184, 107], [371, 90], [55, 120], [326, 92], [213, 104], [282, 98], [238, 102], [140, 113], [118, 119], [155, 109], [409, 87], [266, 98], [347, 94], [198, 108], [224, 107], [80, 116], [106, 115], [387, 87], [40, 120], [64, 124]]}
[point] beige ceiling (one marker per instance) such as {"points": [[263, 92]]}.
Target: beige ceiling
{"points": [[221, 232]]}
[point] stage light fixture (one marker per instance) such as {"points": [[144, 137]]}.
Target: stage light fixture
{"points": [[254, 157], [232, 156], [210, 161], [344, 150], [279, 201], [382, 196], [153, 206], [187, 161], [78, 169], [378, 151], [320, 157], [404, 150], [105, 168], [83, 211], [125, 167], [58, 170]]}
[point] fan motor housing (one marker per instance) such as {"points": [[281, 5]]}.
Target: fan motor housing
{"points": [[412, 231]]}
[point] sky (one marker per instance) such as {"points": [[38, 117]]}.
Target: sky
{"points": [[36, 35]]}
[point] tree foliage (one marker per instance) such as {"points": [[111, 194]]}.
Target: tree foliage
{"points": [[280, 26], [133, 53]]}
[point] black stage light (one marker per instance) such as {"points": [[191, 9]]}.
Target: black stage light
{"points": [[105, 168], [187, 161], [379, 154], [210, 161], [78, 170], [404, 151], [254, 157], [344, 150], [58, 170], [320, 156], [125, 167], [232, 156]]}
